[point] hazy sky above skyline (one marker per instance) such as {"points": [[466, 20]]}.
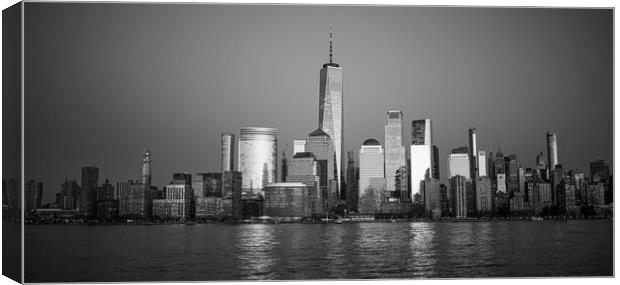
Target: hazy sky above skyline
{"points": [[105, 81]]}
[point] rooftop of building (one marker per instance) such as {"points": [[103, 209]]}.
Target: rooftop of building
{"points": [[318, 133], [395, 114], [371, 142], [462, 149], [304, 155], [245, 130]]}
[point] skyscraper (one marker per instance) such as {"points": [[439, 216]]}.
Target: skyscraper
{"points": [[540, 160], [541, 167], [500, 164], [371, 164], [283, 168], [558, 185], [299, 146], [69, 193], [257, 157], [458, 191], [552, 151], [231, 187], [521, 180], [331, 116], [501, 182], [146, 168], [304, 168], [32, 195], [599, 171], [228, 152], [29, 189], [482, 163], [473, 154], [182, 178], [107, 204], [353, 174], [484, 198], [432, 198], [88, 196], [395, 163], [199, 185], [491, 168], [135, 200], [321, 145], [212, 184], [105, 191], [458, 163], [421, 161], [512, 173], [436, 162]]}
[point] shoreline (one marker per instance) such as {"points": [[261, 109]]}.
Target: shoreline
{"points": [[336, 222]]}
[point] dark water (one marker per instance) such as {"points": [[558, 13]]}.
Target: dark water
{"points": [[303, 251]]}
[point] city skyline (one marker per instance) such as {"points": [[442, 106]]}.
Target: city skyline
{"points": [[115, 137]]}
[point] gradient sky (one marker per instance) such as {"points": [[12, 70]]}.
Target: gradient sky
{"points": [[105, 81]]}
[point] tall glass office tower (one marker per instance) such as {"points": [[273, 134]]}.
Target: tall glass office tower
{"points": [[552, 151], [228, 152], [88, 195], [146, 168], [257, 157], [482, 163], [473, 154], [421, 154], [459, 163], [371, 164], [395, 162], [331, 108]]}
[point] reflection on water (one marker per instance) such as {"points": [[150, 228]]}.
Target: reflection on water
{"points": [[333, 250], [483, 244], [421, 245], [255, 244], [317, 251]]}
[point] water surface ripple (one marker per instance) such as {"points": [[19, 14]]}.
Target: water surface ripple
{"points": [[63, 253]]}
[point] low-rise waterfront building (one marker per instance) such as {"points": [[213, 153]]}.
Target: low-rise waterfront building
{"points": [[252, 205], [289, 199], [172, 209], [178, 201]]}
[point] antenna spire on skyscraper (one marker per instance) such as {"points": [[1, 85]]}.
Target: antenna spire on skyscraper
{"points": [[330, 45]]}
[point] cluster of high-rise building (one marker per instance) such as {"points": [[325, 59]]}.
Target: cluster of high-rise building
{"points": [[481, 185], [381, 179]]}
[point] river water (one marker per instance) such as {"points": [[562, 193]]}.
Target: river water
{"points": [[62, 253]]}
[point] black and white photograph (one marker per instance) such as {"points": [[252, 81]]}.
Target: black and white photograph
{"points": [[154, 141]]}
